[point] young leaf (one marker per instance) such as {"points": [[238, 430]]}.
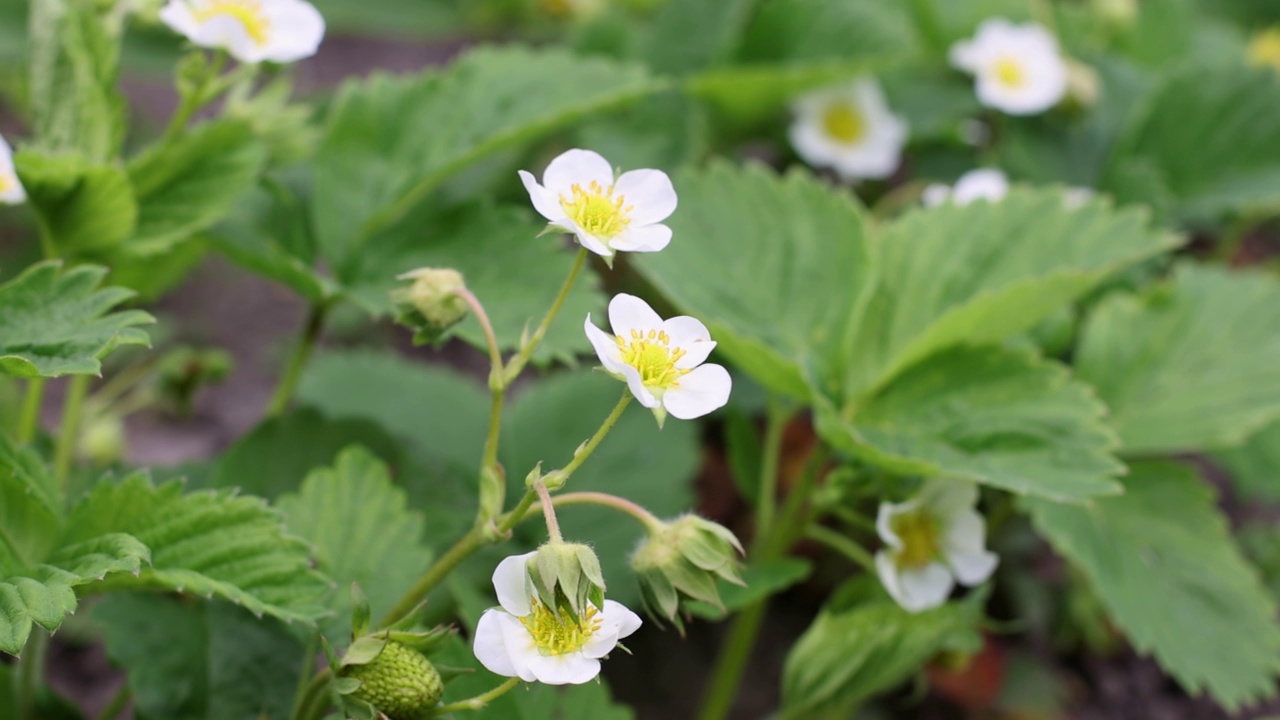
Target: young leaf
{"points": [[363, 532], [1163, 562], [792, 260], [55, 323], [392, 140], [86, 208], [200, 661], [985, 272], [994, 416], [1191, 365]]}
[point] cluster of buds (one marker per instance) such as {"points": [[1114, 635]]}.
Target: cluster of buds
{"points": [[430, 304], [683, 560]]}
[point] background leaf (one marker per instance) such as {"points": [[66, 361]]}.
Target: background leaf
{"points": [[1162, 560], [1255, 466], [85, 208]]}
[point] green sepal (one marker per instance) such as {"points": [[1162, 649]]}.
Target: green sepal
{"points": [[363, 650], [344, 685], [360, 613]]}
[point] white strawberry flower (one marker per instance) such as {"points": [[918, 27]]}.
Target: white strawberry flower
{"points": [[661, 360], [526, 639], [932, 541], [850, 129], [580, 195], [981, 184], [1019, 68], [11, 190], [279, 31]]}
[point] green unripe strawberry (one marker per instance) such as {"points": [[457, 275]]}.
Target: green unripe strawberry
{"points": [[400, 682]]}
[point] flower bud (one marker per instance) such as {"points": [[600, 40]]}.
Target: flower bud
{"points": [[1119, 14], [566, 577], [102, 442], [398, 681], [1082, 84], [683, 561], [430, 305]]}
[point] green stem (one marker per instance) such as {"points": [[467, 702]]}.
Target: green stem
{"points": [[580, 455], [30, 675], [298, 361], [732, 661], [766, 502], [308, 666], [643, 516], [68, 433], [473, 302], [842, 545], [30, 418], [191, 103], [513, 518], [477, 702], [117, 704], [521, 358], [548, 512], [475, 539], [315, 699], [854, 519]]}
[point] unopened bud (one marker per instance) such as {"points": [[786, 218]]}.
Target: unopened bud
{"points": [[102, 442], [1119, 14], [1082, 84], [683, 561], [430, 305], [567, 577], [398, 681]]}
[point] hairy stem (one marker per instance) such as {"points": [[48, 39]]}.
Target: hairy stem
{"points": [[29, 420], [70, 428], [517, 363], [474, 540], [643, 516], [731, 662], [477, 702], [548, 512], [581, 454], [298, 360], [766, 504], [843, 545]]}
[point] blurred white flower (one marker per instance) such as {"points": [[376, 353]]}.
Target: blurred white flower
{"points": [[931, 541], [661, 360], [579, 195], [1019, 68], [981, 184], [1075, 196], [850, 129], [11, 190], [526, 639], [252, 31]]}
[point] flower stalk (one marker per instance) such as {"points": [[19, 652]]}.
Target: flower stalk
{"points": [[298, 360], [478, 702]]}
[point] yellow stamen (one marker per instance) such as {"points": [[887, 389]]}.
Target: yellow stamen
{"points": [[248, 12], [596, 210], [559, 634], [1264, 48], [6, 183], [1010, 72], [920, 542], [652, 355], [844, 122]]}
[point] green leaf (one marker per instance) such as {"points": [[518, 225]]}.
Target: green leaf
{"points": [[1000, 417], [636, 461], [688, 36], [1204, 144], [850, 654], [1255, 466], [1162, 561], [29, 471], [200, 661], [391, 140], [56, 323], [773, 265], [761, 580], [186, 186], [513, 272], [275, 457], [1191, 365], [985, 272], [85, 208], [209, 543], [363, 532], [75, 56]]}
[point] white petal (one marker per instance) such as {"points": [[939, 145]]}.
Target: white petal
{"points": [[601, 643], [935, 194], [296, 31], [703, 390], [636, 384], [576, 167], [946, 498], [964, 56], [511, 582], [544, 201], [606, 347], [568, 669], [649, 192], [178, 16], [885, 517], [620, 616], [628, 313], [887, 570], [586, 239], [646, 238], [228, 33], [963, 546], [973, 569], [981, 184], [489, 645], [521, 648], [690, 335], [925, 588]]}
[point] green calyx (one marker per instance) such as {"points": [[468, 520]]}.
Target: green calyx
{"points": [[567, 578], [430, 304], [684, 561], [399, 682]]}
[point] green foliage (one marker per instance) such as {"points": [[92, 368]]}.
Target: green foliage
{"points": [[1000, 417], [84, 208], [55, 323], [791, 263], [1255, 466], [363, 532], [390, 141], [689, 36], [1203, 146], [1162, 561], [854, 651], [1189, 365], [760, 581], [200, 661]]}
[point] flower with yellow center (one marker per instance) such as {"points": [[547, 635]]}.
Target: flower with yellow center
{"points": [[11, 190], [988, 184], [579, 195], [1264, 49], [1018, 68], [850, 129], [251, 30], [932, 541], [662, 361], [524, 638]]}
